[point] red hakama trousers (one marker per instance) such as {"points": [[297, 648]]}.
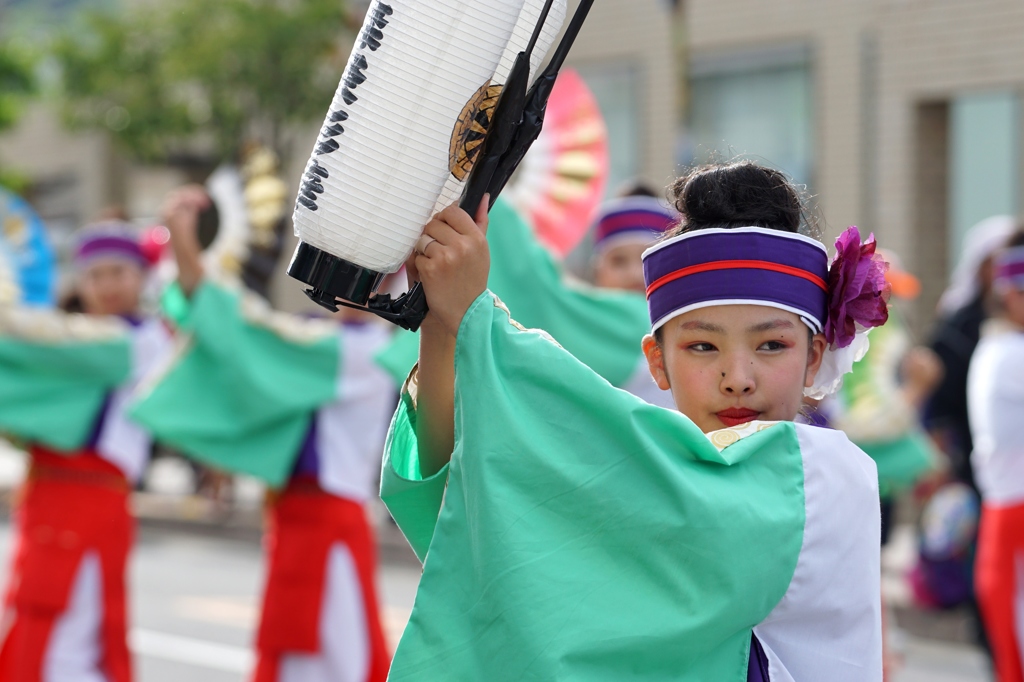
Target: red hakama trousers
{"points": [[999, 584], [70, 505], [305, 522]]}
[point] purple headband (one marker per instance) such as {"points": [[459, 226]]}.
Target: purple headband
{"points": [[759, 266], [1010, 268], [108, 240], [746, 265], [643, 218]]}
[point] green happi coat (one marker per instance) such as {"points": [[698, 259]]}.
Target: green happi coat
{"points": [[582, 534], [245, 383], [56, 371]]}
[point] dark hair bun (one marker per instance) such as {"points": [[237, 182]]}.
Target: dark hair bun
{"points": [[741, 194]]}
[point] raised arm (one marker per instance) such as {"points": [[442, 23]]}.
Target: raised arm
{"points": [[453, 268], [181, 216]]}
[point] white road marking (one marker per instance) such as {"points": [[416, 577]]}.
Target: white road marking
{"points": [[224, 657], [192, 651]]}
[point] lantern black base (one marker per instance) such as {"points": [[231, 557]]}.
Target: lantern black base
{"points": [[331, 277], [337, 282]]}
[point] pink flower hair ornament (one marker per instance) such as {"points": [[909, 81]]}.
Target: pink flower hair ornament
{"points": [[857, 302], [858, 291]]}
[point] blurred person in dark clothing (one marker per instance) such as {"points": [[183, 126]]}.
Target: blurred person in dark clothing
{"points": [[962, 310]]}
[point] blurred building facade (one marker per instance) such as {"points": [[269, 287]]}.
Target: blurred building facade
{"points": [[902, 116], [626, 54]]}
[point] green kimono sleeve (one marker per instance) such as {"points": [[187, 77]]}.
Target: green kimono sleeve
{"points": [[55, 373], [871, 410], [602, 328], [414, 501], [901, 462], [587, 535], [242, 390]]}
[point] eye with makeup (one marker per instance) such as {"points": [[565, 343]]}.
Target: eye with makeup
{"points": [[701, 347], [773, 346]]}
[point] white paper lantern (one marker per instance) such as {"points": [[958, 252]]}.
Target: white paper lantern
{"points": [[390, 153]]}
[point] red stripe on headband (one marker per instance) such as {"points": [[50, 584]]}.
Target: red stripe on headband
{"points": [[736, 265]]}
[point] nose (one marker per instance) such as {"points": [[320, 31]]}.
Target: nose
{"points": [[738, 378]]}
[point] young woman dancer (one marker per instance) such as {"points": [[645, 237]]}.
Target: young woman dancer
{"points": [[65, 383], [571, 531]]}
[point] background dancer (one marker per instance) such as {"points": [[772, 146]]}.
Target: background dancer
{"points": [[625, 228], [301, 404], [65, 382]]}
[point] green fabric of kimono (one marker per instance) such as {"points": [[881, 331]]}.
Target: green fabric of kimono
{"points": [[241, 393], [602, 328], [55, 373], [901, 462], [581, 534], [873, 413]]}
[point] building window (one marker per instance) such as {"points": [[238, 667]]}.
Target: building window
{"points": [[984, 166], [755, 105]]}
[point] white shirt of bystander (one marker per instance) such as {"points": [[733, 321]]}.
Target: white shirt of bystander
{"points": [[995, 399]]}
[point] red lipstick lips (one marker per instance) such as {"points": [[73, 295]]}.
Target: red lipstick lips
{"points": [[735, 416]]}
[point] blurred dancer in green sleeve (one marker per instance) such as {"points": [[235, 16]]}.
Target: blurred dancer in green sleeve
{"points": [[65, 383], [300, 404]]}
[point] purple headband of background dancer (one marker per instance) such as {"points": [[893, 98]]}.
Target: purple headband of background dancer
{"points": [[1010, 268], [745, 265], [108, 240], [633, 219]]}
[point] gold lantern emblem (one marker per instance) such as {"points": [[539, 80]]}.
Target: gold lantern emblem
{"points": [[471, 129]]}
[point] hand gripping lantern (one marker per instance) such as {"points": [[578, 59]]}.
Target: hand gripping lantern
{"points": [[435, 105]]}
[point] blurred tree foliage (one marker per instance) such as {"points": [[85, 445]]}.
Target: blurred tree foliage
{"points": [[164, 76], [16, 83]]}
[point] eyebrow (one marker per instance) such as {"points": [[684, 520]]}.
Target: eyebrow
{"points": [[701, 326], [771, 325]]}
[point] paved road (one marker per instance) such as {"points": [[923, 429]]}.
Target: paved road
{"points": [[194, 611], [194, 605]]}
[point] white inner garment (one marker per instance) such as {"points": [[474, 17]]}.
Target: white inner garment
{"points": [[828, 625], [121, 440], [74, 652], [351, 430], [344, 637]]}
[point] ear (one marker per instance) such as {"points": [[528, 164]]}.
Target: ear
{"points": [[815, 354], [656, 362]]}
